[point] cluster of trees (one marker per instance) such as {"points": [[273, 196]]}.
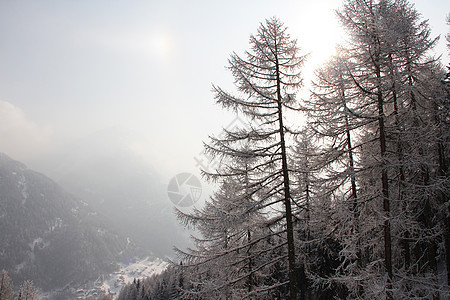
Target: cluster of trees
{"points": [[27, 290], [167, 285], [355, 204]]}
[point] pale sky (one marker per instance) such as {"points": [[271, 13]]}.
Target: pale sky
{"points": [[71, 68]]}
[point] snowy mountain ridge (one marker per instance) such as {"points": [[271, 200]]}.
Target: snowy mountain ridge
{"points": [[51, 237]]}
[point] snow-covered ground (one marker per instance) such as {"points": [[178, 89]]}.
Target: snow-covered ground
{"points": [[128, 272], [113, 283]]}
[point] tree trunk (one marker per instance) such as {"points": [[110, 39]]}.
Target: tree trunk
{"points": [[287, 194], [354, 198], [431, 246], [443, 171], [404, 242], [385, 189], [308, 217]]}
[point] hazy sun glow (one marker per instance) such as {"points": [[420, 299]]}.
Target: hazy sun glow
{"points": [[318, 32], [146, 65], [161, 45]]}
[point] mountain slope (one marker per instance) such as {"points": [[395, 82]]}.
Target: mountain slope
{"points": [[103, 170], [47, 235]]}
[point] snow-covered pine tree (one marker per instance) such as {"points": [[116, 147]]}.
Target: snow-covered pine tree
{"points": [[267, 80], [443, 118], [387, 53], [407, 44], [302, 191], [6, 287], [413, 139], [28, 291], [317, 250], [165, 285], [230, 257], [332, 110], [361, 19]]}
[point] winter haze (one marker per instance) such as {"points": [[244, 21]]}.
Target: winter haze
{"points": [[71, 69], [103, 102]]}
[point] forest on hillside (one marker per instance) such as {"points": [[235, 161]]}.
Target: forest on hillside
{"points": [[353, 204]]}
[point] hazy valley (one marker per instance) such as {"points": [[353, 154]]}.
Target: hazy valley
{"points": [[108, 210]]}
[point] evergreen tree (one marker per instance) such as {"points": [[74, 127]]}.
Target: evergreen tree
{"points": [[309, 214], [388, 106], [267, 81], [332, 111], [6, 287], [228, 259], [28, 291]]}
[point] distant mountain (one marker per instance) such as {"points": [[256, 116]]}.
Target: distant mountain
{"points": [[104, 171], [49, 236]]}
